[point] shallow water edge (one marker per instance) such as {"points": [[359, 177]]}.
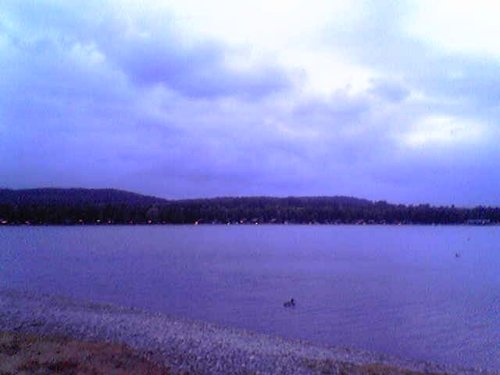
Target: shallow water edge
{"points": [[193, 346]]}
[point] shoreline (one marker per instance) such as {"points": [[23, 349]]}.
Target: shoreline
{"points": [[137, 224], [195, 347]]}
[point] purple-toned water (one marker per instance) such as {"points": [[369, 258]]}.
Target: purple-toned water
{"points": [[397, 290]]}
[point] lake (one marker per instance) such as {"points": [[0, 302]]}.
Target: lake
{"points": [[398, 290]]}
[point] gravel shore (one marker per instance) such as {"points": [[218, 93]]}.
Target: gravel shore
{"points": [[194, 347]]}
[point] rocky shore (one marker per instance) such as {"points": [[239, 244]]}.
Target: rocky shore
{"points": [[188, 347]]}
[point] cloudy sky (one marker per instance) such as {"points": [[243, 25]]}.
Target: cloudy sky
{"points": [[394, 100]]}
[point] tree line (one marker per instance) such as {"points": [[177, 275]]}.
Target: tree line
{"points": [[245, 210]]}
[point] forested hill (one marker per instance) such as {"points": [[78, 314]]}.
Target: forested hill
{"points": [[74, 197], [108, 206]]}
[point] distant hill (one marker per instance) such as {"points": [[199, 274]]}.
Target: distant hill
{"points": [[286, 201], [109, 206], [80, 196], [77, 196]]}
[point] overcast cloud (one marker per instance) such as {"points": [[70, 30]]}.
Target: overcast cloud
{"points": [[394, 100]]}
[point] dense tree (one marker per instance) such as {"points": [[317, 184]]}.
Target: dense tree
{"points": [[83, 206]]}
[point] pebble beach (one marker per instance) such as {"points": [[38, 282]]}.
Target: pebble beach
{"points": [[193, 347]]}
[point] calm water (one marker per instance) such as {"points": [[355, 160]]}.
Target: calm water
{"points": [[398, 290]]}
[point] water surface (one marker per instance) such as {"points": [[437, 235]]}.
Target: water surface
{"points": [[398, 290]]}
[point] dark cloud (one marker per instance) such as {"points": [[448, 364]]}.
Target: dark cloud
{"points": [[198, 72], [146, 56]]}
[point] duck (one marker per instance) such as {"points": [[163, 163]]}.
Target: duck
{"points": [[290, 303]]}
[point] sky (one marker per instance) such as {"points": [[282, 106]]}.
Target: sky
{"points": [[384, 100]]}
